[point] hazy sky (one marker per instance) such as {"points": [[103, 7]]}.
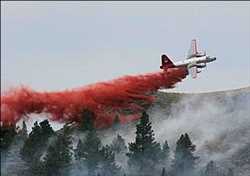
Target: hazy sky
{"points": [[59, 45]]}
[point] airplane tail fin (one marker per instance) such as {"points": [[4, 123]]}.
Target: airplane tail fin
{"points": [[166, 62]]}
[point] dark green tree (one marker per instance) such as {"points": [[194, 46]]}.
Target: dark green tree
{"points": [[59, 154], [24, 131], [145, 153], [36, 143], [118, 144], [107, 163], [165, 150], [184, 161], [46, 129], [90, 152], [7, 135], [32, 144], [79, 151], [87, 120]]}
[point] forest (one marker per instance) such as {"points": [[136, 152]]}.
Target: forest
{"points": [[45, 152]]}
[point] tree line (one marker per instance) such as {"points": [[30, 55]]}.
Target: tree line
{"points": [[50, 153]]}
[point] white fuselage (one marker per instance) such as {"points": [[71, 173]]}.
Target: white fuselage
{"points": [[195, 60]]}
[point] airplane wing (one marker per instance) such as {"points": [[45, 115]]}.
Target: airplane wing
{"points": [[193, 71], [193, 49]]}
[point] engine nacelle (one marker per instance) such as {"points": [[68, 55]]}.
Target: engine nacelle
{"points": [[202, 65]]}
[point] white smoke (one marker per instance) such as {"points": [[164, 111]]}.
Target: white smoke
{"points": [[11, 161], [218, 124], [218, 127]]}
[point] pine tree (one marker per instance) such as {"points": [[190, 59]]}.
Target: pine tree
{"points": [[11, 161], [184, 159], [59, 154], [7, 136], [24, 131], [145, 153], [166, 150], [79, 151], [32, 144], [46, 129], [108, 165], [90, 152], [87, 120], [118, 144], [37, 141]]}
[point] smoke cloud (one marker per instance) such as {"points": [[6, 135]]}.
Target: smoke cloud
{"points": [[218, 124], [105, 99]]}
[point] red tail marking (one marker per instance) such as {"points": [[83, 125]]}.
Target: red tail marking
{"points": [[166, 62]]}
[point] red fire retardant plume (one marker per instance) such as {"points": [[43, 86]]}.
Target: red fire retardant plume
{"points": [[106, 99]]}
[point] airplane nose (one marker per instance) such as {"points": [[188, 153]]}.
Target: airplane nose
{"points": [[212, 58]]}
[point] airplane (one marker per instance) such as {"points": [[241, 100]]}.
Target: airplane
{"points": [[195, 60]]}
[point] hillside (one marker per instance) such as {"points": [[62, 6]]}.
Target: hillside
{"points": [[164, 99], [218, 124], [235, 111]]}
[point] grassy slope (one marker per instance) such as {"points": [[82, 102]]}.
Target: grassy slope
{"points": [[164, 99]]}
